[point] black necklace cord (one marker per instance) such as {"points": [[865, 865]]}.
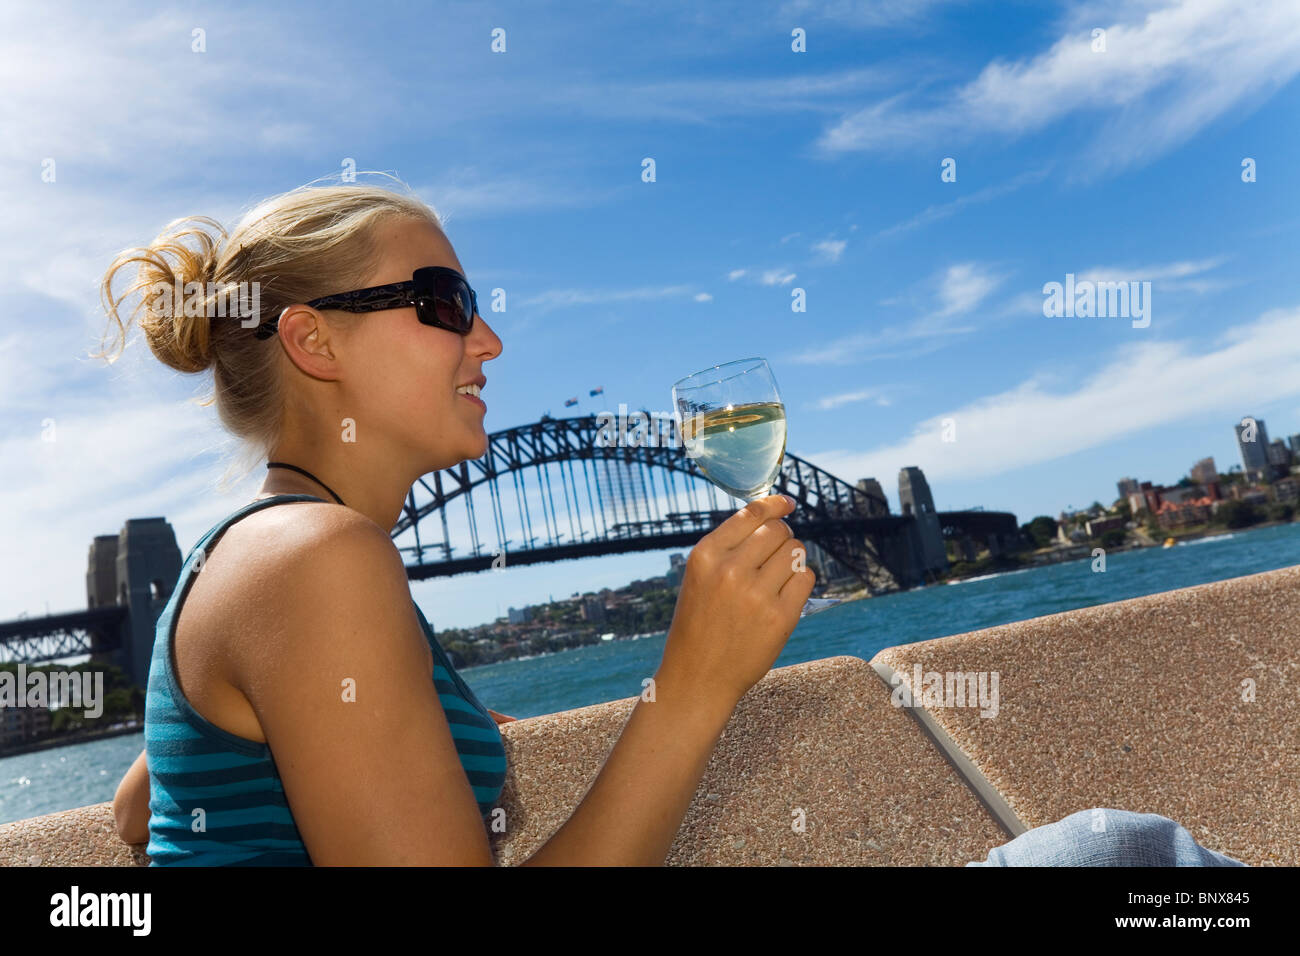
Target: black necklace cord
{"points": [[304, 471]]}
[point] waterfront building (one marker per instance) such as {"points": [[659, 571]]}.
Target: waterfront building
{"points": [[1254, 458], [1204, 472]]}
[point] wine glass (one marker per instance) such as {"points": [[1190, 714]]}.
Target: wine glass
{"points": [[732, 422]]}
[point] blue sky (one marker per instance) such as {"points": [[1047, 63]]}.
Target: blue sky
{"points": [[775, 170]]}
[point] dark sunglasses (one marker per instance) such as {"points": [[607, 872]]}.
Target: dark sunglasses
{"points": [[441, 296]]}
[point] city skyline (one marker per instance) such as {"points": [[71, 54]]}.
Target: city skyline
{"points": [[885, 243]]}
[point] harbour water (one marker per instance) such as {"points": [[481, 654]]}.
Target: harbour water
{"points": [[80, 774]]}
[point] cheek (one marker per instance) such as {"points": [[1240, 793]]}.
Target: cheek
{"points": [[412, 372]]}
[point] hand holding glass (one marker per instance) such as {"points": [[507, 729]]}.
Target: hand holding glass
{"points": [[732, 422]]}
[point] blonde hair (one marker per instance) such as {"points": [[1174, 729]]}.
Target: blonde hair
{"points": [[306, 243]]}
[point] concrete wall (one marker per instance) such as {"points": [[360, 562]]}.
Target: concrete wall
{"points": [[1184, 703]]}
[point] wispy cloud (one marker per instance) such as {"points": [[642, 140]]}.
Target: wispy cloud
{"points": [[940, 211], [963, 287], [469, 193], [564, 298], [1147, 385], [705, 99], [846, 398], [830, 249], [956, 291], [778, 277], [861, 13], [1164, 75], [1169, 276]]}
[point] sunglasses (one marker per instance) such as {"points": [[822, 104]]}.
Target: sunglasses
{"points": [[441, 296]]}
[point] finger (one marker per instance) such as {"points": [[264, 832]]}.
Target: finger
{"points": [[776, 570], [736, 529], [798, 586], [772, 535]]}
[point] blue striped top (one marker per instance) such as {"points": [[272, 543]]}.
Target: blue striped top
{"points": [[216, 799]]}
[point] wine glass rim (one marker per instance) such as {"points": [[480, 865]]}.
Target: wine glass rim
{"points": [[689, 380]]}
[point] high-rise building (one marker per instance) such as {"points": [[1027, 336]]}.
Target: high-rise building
{"points": [[676, 569], [1204, 472], [1127, 486], [1252, 440], [1294, 442], [1278, 454], [593, 609]]}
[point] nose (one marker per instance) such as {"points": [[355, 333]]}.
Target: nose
{"points": [[482, 340]]}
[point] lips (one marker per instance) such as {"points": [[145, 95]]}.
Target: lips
{"points": [[470, 387]]}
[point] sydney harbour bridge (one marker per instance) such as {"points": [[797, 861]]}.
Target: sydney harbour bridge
{"points": [[553, 490]]}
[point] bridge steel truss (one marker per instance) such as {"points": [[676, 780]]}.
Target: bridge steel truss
{"points": [[34, 640], [575, 520]]}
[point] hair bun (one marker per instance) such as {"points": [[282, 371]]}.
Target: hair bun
{"points": [[174, 274]]}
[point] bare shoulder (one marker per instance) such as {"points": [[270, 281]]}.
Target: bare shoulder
{"points": [[274, 544], [308, 573]]}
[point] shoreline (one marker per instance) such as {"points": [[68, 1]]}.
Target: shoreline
{"points": [[67, 740], [1066, 554]]}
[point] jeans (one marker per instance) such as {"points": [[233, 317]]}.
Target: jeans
{"points": [[1104, 837]]}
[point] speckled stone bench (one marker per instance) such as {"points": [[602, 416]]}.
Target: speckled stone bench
{"points": [[1139, 705]]}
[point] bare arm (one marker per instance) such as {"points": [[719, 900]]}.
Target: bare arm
{"points": [[131, 803], [633, 811], [740, 600], [343, 693]]}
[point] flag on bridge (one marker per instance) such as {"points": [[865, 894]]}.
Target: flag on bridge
{"points": [[571, 401]]}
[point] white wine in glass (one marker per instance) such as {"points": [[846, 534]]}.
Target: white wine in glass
{"points": [[732, 422]]}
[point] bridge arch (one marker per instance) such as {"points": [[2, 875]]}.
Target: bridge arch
{"points": [[611, 497]]}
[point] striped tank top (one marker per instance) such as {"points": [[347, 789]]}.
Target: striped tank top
{"points": [[216, 799]]}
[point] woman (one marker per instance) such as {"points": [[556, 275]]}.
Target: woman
{"points": [[299, 710]]}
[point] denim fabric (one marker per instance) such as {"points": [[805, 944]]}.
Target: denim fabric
{"points": [[1104, 837]]}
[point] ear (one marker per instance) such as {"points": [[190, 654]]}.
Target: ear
{"points": [[307, 340]]}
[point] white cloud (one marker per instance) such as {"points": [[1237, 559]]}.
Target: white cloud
{"points": [[777, 277], [705, 99], [861, 13], [1148, 385], [1168, 273], [735, 274], [127, 453], [963, 287], [954, 292], [830, 249], [943, 210], [703, 297], [1164, 75], [846, 398], [462, 193], [563, 298]]}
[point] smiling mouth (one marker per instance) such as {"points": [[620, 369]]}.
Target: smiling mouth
{"points": [[473, 398]]}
